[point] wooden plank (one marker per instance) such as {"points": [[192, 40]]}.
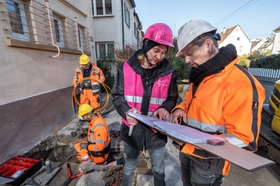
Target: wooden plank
{"points": [[184, 133], [238, 156]]}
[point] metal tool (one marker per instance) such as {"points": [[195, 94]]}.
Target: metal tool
{"points": [[71, 176]]}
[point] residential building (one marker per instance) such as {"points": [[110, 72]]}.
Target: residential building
{"points": [[42, 41], [257, 43], [266, 47], [116, 27], [238, 38], [276, 41]]}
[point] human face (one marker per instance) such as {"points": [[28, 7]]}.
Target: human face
{"points": [[195, 55], [87, 117], [86, 66], [155, 55]]}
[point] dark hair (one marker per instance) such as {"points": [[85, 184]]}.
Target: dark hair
{"points": [[200, 39], [148, 44]]}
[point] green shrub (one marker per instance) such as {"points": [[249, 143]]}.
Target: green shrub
{"points": [[272, 62]]}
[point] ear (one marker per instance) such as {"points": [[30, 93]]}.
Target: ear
{"points": [[209, 44]]}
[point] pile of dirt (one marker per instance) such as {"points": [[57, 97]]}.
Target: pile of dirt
{"points": [[113, 176], [60, 148]]}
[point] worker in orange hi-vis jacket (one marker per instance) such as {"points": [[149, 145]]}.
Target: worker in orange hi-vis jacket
{"points": [[97, 146], [223, 99], [87, 79]]}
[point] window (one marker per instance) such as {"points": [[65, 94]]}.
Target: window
{"points": [[27, 25], [240, 49], [81, 35], [18, 20], [135, 31], [238, 39], [127, 15], [108, 7], [102, 7], [104, 50], [58, 31]]}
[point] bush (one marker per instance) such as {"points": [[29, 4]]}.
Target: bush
{"points": [[106, 64], [181, 69], [272, 62], [243, 62]]}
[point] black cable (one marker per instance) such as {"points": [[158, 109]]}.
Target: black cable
{"points": [[238, 10]]}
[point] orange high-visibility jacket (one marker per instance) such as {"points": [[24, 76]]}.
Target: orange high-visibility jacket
{"points": [[222, 104], [98, 134], [97, 146], [96, 76]]}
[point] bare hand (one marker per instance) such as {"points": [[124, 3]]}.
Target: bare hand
{"points": [[179, 115], [161, 114], [132, 121]]}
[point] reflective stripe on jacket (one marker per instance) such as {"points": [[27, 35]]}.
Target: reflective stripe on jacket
{"points": [[134, 90], [142, 136], [98, 135], [96, 77], [223, 104]]}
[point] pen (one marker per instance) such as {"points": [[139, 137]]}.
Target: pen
{"points": [[130, 130], [131, 126]]}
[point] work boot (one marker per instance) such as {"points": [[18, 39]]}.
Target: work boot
{"points": [[120, 161]]}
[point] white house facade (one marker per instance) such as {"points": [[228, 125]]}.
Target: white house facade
{"points": [[276, 41], [257, 43], [116, 26], [238, 38]]}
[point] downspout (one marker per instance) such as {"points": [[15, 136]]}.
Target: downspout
{"points": [[122, 29], [49, 16], [78, 36]]}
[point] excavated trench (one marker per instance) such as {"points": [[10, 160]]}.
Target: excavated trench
{"points": [[59, 149]]}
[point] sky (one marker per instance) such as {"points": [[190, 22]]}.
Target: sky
{"points": [[257, 18]]}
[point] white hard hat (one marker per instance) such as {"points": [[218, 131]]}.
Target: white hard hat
{"points": [[191, 30]]}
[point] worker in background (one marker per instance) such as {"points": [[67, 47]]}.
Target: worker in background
{"points": [[97, 146], [223, 99], [146, 84], [87, 79]]}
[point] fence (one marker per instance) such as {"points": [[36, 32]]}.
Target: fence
{"points": [[265, 72]]}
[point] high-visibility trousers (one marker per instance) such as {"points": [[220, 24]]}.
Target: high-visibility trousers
{"points": [[82, 151], [99, 160], [85, 156], [87, 97]]}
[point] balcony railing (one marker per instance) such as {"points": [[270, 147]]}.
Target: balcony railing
{"points": [[27, 24]]}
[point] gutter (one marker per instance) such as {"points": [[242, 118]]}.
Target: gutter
{"points": [[122, 27]]}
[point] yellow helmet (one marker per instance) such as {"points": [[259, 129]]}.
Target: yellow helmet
{"points": [[84, 59], [84, 109]]}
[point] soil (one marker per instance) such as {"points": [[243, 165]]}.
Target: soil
{"points": [[59, 148]]}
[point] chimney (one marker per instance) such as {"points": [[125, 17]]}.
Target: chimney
{"points": [[224, 30]]}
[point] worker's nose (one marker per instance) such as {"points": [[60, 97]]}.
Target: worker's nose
{"points": [[160, 56], [187, 59]]}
